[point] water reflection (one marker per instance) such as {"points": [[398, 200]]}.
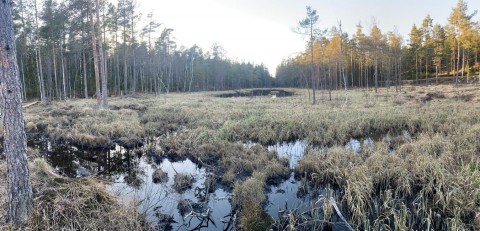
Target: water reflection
{"points": [[130, 172], [293, 151]]}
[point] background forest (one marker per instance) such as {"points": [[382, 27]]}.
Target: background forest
{"points": [[56, 59]]}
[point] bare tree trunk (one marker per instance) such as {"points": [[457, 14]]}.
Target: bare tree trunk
{"points": [[458, 61], [416, 68], [64, 77], [396, 73], [314, 84], [19, 188], [41, 83], [101, 62], [376, 73], [24, 88], [476, 64], [426, 68], [95, 54], [342, 68], [468, 66], [191, 76], [125, 84], [330, 83], [400, 73], [57, 93], [134, 83], [85, 85], [84, 60]]}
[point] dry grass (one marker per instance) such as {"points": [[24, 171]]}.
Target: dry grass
{"points": [[251, 190], [431, 182], [159, 176], [71, 204], [253, 218], [182, 182], [431, 179]]}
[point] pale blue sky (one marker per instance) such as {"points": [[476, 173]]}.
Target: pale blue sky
{"points": [[260, 30]]}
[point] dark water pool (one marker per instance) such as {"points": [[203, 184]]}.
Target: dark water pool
{"points": [[256, 92], [130, 172]]}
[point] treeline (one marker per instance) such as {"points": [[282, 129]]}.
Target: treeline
{"points": [[371, 58], [135, 54]]}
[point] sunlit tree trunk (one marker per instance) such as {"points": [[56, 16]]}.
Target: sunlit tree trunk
{"points": [[342, 68]]}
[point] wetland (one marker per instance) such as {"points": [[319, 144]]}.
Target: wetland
{"points": [[196, 161]]}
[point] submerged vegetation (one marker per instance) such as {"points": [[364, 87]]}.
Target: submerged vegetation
{"points": [[428, 180]]}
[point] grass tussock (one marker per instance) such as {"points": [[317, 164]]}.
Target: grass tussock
{"points": [[159, 176], [250, 190], [73, 204], [254, 218], [182, 182]]}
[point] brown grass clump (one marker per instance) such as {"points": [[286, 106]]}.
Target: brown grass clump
{"points": [[182, 182], [83, 204], [30, 126], [159, 176], [254, 218], [210, 182], [249, 197], [249, 191]]}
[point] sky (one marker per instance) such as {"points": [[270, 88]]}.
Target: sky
{"points": [[260, 31]]}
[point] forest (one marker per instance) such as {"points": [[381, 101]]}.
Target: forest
{"points": [[55, 47], [371, 57], [55, 53], [109, 123]]}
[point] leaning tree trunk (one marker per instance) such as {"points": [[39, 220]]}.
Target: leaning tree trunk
{"points": [[15, 146]]}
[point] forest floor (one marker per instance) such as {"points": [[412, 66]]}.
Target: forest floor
{"points": [[428, 180]]}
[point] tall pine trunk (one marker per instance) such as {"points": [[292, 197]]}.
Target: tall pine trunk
{"points": [[41, 83], [95, 54], [19, 188], [101, 62]]}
